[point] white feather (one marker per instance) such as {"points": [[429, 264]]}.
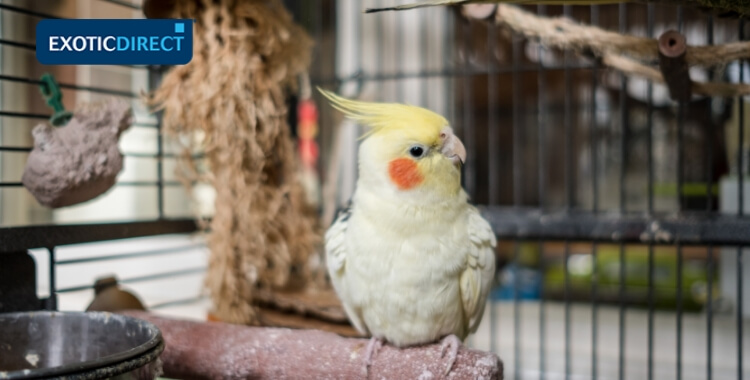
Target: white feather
{"points": [[411, 273]]}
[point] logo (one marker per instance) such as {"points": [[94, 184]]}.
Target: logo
{"points": [[114, 42]]}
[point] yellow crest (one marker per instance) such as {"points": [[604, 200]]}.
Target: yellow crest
{"points": [[388, 116]]}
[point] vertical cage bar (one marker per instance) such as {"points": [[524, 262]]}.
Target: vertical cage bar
{"points": [[516, 84], [318, 30], [709, 131], [154, 78], [741, 133], [467, 127], [679, 310], [541, 121], [739, 313], [356, 12], [380, 50], [448, 57], [52, 300], [623, 115], [621, 320], [425, 52], [594, 10], [566, 279], [741, 206], [569, 195], [542, 318], [517, 196], [650, 181], [709, 134], [593, 133], [710, 312], [398, 54], [680, 155], [516, 315], [594, 312], [650, 367], [542, 158], [622, 206], [332, 19], [650, 119], [493, 143], [568, 125], [493, 128]]}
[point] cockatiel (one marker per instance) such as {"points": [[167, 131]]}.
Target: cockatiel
{"points": [[411, 259], [733, 8]]}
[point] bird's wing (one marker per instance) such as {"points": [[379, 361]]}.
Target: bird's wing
{"points": [[476, 279], [335, 244], [434, 3]]}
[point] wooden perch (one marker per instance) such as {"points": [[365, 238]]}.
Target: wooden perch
{"points": [[673, 65], [215, 350]]}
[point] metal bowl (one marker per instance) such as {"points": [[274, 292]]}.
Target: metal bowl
{"points": [[78, 345]]}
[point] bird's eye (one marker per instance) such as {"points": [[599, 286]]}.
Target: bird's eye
{"points": [[416, 151]]}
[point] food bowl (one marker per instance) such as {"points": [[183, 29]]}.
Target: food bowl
{"points": [[77, 345]]}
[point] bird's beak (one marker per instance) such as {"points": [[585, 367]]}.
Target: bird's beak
{"points": [[452, 147]]}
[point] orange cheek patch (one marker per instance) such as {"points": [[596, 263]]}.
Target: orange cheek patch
{"points": [[404, 173]]}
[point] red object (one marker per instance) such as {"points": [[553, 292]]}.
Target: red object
{"points": [[307, 111], [308, 151], [307, 129]]}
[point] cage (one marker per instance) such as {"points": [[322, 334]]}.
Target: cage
{"points": [[620, 211]]}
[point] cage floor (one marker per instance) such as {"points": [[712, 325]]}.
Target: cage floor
{"points": [[521, 352]]}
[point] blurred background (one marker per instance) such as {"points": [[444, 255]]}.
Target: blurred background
{"points": [[570, 161]]}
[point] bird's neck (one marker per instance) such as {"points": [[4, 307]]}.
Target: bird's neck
{"points": [[408, 208]]}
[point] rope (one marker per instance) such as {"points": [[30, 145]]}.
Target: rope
{"points": [[628, 54]]}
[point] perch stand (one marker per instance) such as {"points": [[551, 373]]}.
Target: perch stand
{"points": [[215, 350]]}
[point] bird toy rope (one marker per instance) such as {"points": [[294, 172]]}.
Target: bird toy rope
{"points": [[53, 97]]}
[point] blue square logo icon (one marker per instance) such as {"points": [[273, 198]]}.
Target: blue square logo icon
{"points": [[179, 28]]}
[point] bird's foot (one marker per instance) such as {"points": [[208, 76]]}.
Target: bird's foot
{"points": [[449, 346], [372, 350]]}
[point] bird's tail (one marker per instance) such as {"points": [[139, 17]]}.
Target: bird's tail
{"points": [[433, 3]]}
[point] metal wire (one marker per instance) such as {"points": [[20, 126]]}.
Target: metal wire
{"points": [[709, 312], [541, 190], [623, 160], [740, 207], [28, 12], [493, 141], [99, 90], [493, 138], [130, 255], [650, 180], [467, 127], [517, 158], [710, 268], [137, 279]]}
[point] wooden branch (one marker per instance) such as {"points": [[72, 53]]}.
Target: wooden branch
{"points": [[215, 350], [673, 66]]}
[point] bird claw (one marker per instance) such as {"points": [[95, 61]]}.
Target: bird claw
{"points": [[373, 346], [449, 346]]}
